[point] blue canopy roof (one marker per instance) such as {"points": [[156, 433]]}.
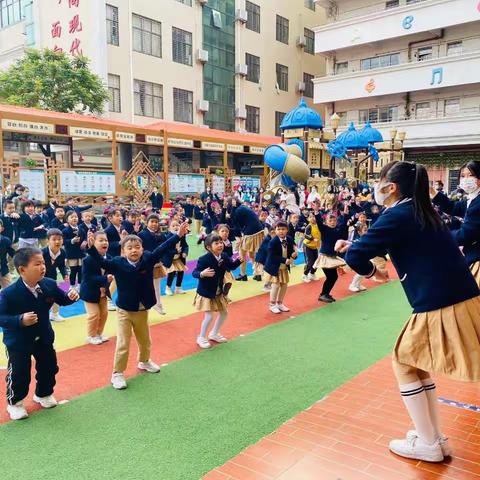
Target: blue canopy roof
{"points": [[302, 117], [370, 134], [352, 139]]}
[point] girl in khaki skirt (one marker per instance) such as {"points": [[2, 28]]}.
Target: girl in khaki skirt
{"points": [[281, 254], [176, 261], [223, 231], [443, 334], [210, 271]]}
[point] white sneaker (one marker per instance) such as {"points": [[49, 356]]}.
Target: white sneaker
{"points": [[362, 288], [354, 289], [111, 306], [94, 340], [118, 381], [267, 288], [55, 317], [17, 411], [202, 342], [168, 291], [283, 308], [216, 337], [414, 447], [312, 277], [159, 309], [180, 291], [443, 440], [306, 279], [150, 367], [103, 338], [275, 309], [46, 402]]}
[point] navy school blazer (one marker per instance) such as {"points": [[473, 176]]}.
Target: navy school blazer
{"points": [[246, 220], [5, 249], [15, 300], [92, 280], [167, 257], [72, 250], [208, 286], [261, 255], [58, 263], [433, 272], [275, 257], [468, 235], [150, 240], [26, 224], [134, 283], [10, 228], [113, 237]]}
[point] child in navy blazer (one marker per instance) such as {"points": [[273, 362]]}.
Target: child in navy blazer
{"points": [[72, 240], [133, 272], [210, 272], [95, 291], [87, 225], [281, 254], [112, 231], [27, 332], [5, 250], [261, 258], [175, 261], [29, 224], [223, 230], [55, 261]]}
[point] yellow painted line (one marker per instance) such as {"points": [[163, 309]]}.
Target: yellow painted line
{"points": [[72, 332]]}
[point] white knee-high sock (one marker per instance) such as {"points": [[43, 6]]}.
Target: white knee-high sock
{"points": [[219, 322], [416, 402], [206, 322], [431, 393], [158, 295], [274, 293]]}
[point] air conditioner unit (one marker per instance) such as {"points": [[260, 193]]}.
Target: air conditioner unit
{"points": [[202, 2], [241, 69], [203, 105], [300, 87], [202, 55], [301, 41], [241, 16], [241, 113]]}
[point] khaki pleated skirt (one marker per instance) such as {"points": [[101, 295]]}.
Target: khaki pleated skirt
{"points": [[177, 266], [217, 304], [74, 262], [327, 261], [282, 277], [251, 243], [380, 263], [444, 341], [475, 269], [159, 271], [228, 278]]}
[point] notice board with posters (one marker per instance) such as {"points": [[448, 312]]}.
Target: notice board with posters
{"points": [[179, 183], [78, 182]]}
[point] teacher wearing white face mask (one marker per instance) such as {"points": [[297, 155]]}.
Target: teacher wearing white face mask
{"points": [[468, 235]]}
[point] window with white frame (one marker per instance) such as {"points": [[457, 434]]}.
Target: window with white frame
{"points": [[282, 29], [112, 25], [252, 123], [253, 16], [10, 12], [253, 64], [282, 77], [380, 61], [391, 4], [341, 67], [308, 80], [452, 106], [147, 35], [310, 4], [182, 105], [148, 99], [310, 41], [423, 110], [279, 116], [343, 118], [454, 48], [379, 114], [181, 46], [114, 103], [424, 53]]}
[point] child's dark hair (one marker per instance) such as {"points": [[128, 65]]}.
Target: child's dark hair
{"points": [[7, 202], [112, 212], [98, 233], [210, 239], [220, 226], [59, 207], [52, 232], [69, 214], [473, 166], [153, 216], [26, 204], [130, 238], [23, 256], [412, 181], [281, 223]]}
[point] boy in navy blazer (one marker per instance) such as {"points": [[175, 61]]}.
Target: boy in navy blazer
{"points": [[5, 250], [27, 332], [133, 272]]}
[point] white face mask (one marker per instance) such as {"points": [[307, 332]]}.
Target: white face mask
{"points": [[469, 184], [379, 196]]}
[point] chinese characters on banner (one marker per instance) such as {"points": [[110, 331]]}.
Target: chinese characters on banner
{"points": [[69, 31]]}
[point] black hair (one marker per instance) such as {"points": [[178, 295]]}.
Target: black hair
{"points": [[473, 166], [210, 239], [412, 181], [99, 232], [281, 223], [51, 232], [439, 182], [69, 214], [59, 207], [28, 203], [153, 216], [23, 256], [220, 226], [111, 213], [130, 238], [8, 202]]}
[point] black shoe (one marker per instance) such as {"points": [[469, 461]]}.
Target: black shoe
{"points": [[241, 278], [325, 299], [257, 278], [331, 298]]}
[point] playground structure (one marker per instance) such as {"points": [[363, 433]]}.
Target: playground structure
{"points": [[311, 155]]}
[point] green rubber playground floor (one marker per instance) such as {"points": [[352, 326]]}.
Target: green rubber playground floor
{"points": [[204, 409]]}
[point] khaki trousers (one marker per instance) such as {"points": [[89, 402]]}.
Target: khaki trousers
{"points": [[128, 321], [198, 225], [97, 316], [5, 281]]}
